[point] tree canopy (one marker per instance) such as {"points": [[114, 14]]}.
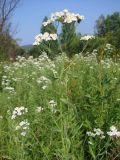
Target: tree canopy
{"points": [[109, 27]]}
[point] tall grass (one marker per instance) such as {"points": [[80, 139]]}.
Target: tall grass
{"points": [[65, 98]]}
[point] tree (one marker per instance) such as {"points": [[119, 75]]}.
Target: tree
{"points": [[109, 27], [100, 26], [7, 8], [112, 22], [8, 46]]}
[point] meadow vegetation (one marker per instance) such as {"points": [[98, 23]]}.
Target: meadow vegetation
{"points": [[61, 109], [63, 102]]}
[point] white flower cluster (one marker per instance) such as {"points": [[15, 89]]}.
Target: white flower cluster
{"points": [[5, 81], [6, 85], [43, 80], [64, 16], [39, 109], [53, 104], [87, 37], [108, 46], [45, 37], [48, 22], [113, 132], [97, 132], [9, 89], [23, 126], [18, 111]]}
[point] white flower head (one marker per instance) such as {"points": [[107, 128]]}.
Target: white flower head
{"points": [[113, 132], [96, 132], [91, 134], [86, 38], [17, 128], [53, 105], [46, 23], [53, 36], [65, 16], [39, 109], [23, 126], [18, 111], [44, 37], [44, 87], [23, 133]]}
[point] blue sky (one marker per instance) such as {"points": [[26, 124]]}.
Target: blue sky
{"points": [[29, 15]]}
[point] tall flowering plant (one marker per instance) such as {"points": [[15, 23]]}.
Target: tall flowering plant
{"points": [[55, 42], [48, 41]]}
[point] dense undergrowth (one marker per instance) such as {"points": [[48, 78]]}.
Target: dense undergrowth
{"points": [[60, 110]]}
